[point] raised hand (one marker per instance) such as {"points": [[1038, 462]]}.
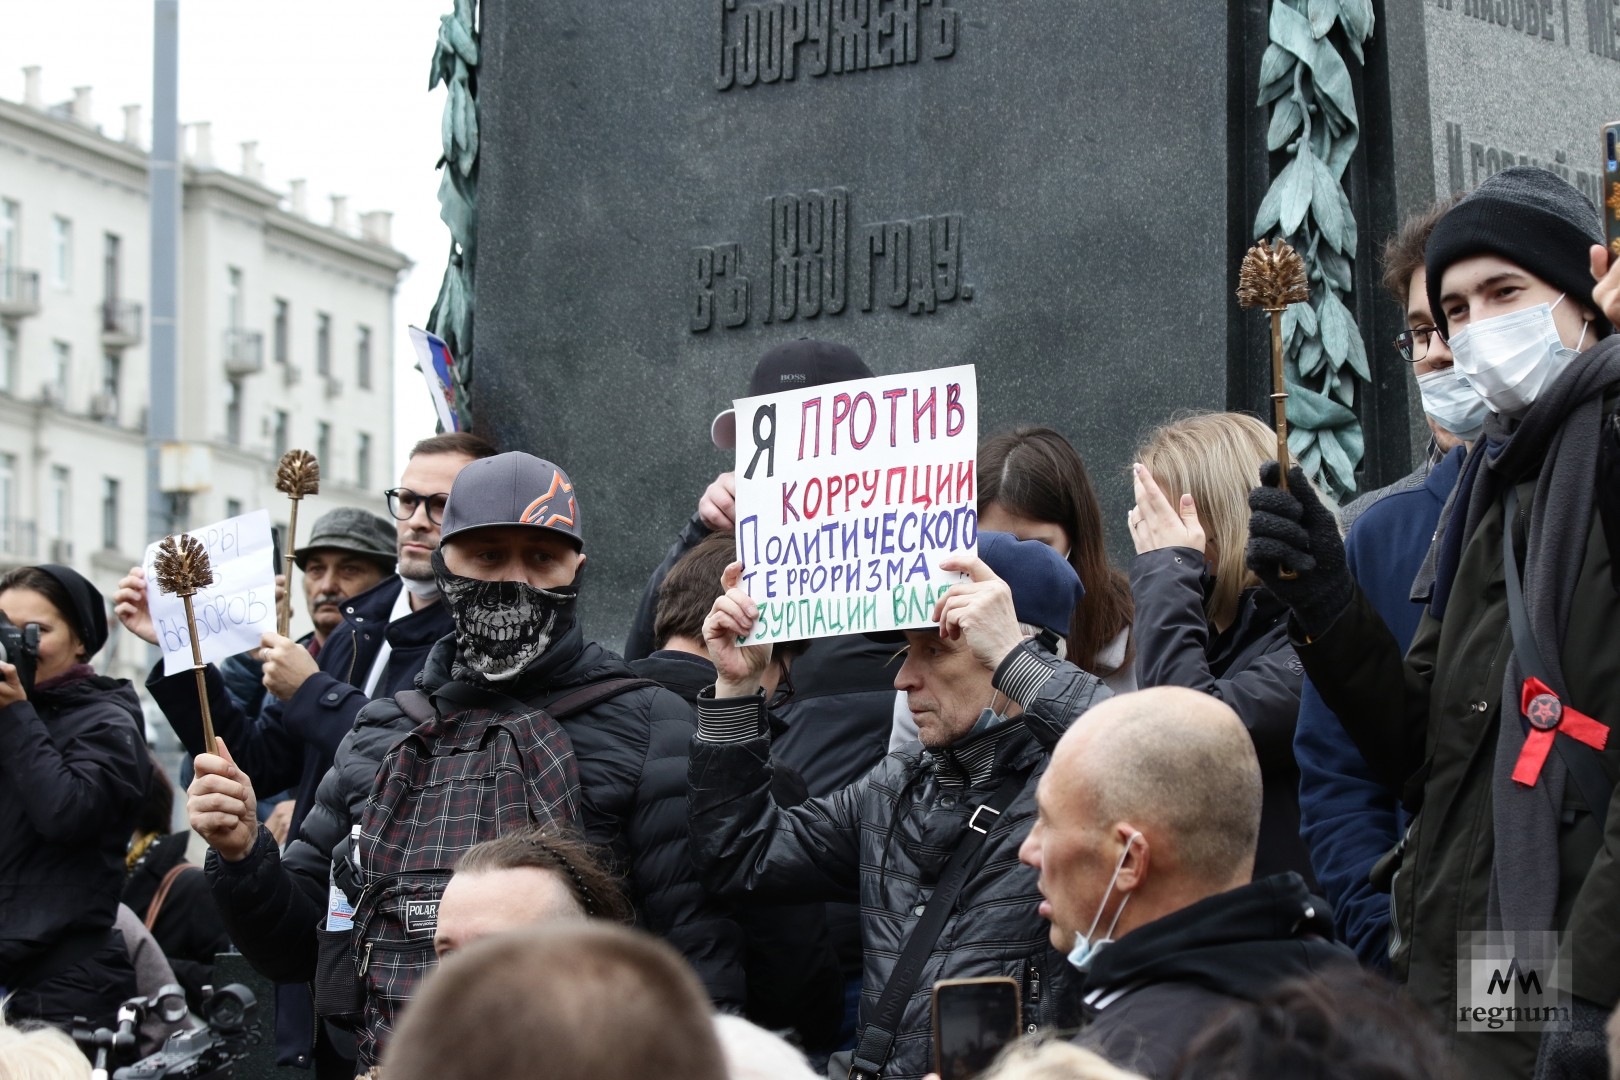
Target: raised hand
{"points": [[978, 611], [718, 507], [221, 806], [737, 667], [1155, 523], [129, 603], [1296, 551]]}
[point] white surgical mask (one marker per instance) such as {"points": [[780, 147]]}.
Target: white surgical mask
{"points": [[1452, 402], [1085, 948], [1509, 358]]}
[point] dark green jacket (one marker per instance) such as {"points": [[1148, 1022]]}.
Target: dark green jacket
{"points": [[1428, 726]]}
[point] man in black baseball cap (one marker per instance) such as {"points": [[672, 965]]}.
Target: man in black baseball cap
{"points": [[577, 740]]}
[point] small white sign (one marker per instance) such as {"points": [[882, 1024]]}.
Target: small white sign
{"points": [[232, 613]]}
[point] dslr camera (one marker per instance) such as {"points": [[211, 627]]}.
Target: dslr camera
{"points": [[206, 1053], [19, 646]]}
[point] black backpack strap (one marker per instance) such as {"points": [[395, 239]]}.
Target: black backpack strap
{"points": [[1592, 780], [877, 1038], [416, 705], [572, 703]]}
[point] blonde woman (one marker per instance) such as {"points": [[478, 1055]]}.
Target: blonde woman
{"points": [[1202, 619], [1035, 1059]]}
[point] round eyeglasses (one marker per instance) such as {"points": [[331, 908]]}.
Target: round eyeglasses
{"points": [[402, 503], [1413, 345]]}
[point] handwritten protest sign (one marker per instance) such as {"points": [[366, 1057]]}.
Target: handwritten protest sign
{"points": [[848, 497], [235, 610]]}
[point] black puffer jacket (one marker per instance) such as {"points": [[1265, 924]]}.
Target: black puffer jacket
{"points": [[885, 839], [631, 754], [1147, 995], [1251, 666], [73, 771]]}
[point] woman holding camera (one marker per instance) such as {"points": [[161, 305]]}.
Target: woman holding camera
{"points": [[73, 771]]}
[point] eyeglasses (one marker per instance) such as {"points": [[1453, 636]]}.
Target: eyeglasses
{"points": [[1413, 345], [402, 503]]}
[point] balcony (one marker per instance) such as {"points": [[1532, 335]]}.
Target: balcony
{"points": [[244, 353], [334, 387], [291, 374], [120, 324], [19, 543], [62, 551], [104, 407], [19, 293]]}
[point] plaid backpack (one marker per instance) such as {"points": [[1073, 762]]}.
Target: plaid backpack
{"points": [[477, 765]]}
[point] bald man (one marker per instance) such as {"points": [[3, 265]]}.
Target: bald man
{"points": [[1144, 840]]}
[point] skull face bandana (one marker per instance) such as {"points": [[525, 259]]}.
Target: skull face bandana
{"points": [[503, 626]]}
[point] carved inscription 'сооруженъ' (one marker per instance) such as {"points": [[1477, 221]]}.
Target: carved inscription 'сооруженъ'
{"points": [[811, 266], [777, 41]]}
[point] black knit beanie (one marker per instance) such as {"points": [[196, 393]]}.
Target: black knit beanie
{"points": [[1529, 217], [89, 614]]}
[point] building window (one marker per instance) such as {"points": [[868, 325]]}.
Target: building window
{"points": [[111, 268], [233, 508], [61, 369], [61, 252], [10, 218], [323, 442], [233, 297], [8, 358], [323, 344], [61, 503], [362, 461], [109, 513], [112, 372], [281, 436], [280, 330], [362, 358], [233, 412], [10, 534]]}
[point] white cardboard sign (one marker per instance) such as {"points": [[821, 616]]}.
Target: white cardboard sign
{"points": [[848, 497], [232, 613]]}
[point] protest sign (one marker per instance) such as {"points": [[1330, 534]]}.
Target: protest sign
{"points": [[232, 613], [433, 359], [848, 497]]}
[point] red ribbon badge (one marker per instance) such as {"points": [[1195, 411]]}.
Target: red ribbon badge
{"points": [[1547, 716]]}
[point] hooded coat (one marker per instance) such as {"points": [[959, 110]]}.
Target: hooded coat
{"points": [[1147, 995]]}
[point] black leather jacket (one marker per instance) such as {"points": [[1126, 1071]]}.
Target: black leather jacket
{"points": [[884, 841]]}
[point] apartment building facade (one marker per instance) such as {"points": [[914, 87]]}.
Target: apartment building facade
{"points": [[286, 329]]}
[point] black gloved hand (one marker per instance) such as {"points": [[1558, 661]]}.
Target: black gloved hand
{"points": [[1291, 532], [1580, 1053]]}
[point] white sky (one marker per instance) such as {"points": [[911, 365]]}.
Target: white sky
{"points": [[334, 91]]}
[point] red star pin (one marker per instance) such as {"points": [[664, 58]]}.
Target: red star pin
{"points": [[1548, 716]]}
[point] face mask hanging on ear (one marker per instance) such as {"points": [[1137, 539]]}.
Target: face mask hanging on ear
{"points": [[1085, 949], [1509, 358]]}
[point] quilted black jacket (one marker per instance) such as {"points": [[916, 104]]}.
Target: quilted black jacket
{"points": [[884, 840], [631, 754]]}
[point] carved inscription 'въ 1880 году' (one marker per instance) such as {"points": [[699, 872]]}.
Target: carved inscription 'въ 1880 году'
{"points": [[763, 43], [913, 265]]}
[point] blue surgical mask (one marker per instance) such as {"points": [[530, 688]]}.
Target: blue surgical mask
{"points": [[1509, 358], [1085, 948], [1452, 402]]}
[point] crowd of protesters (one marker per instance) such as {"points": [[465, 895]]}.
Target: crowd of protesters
{"points": [[1239, 809]]}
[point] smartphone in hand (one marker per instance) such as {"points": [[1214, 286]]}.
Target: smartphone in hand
{"points": [[1611, 187], [974, 1019]]}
